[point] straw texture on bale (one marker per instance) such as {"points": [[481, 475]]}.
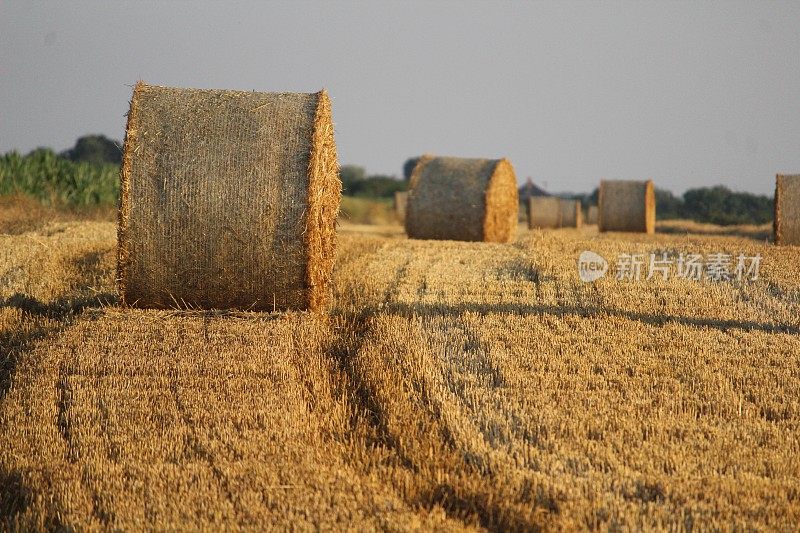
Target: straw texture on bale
{"points": [[544, 212], [571, 214], [627, 206], [228, 200], [591, 215], [549, 212], [462, 199], [400, 202], [787, 209]]}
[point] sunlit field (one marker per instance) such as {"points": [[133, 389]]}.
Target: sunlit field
{"points": [[453, 386]]}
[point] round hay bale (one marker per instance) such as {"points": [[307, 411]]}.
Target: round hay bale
{"points": [[787, 210], [228, 200], [627, 206], [591, 215], [550, 212], [571, 214], [400, 202], [461, 199], [544, 212]]}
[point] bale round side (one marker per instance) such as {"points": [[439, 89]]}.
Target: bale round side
{"points": [[462, 199], [571, 215], [787, 210], [627, 206], [544, 212], [228, 200]]}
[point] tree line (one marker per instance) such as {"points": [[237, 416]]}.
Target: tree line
{"points": [[713, 205], [88, 174]]}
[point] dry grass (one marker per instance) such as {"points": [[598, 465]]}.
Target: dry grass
{"points": [[367, 211], [455, 386], [19, 214], [761, 232]]}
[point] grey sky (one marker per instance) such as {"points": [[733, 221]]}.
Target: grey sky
{"points": [[688, 94]]}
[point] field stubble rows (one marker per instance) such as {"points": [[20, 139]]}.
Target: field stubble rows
{"points": [[455, 385]]}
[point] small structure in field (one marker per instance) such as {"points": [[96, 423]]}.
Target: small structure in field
{"points": [[591, 215], [627, 206], [549, 212], [228, 200], [462, 199], [400, 202], [787, 209]]}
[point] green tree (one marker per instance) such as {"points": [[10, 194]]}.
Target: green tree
{"points": [[668, 205], [379, 186], [720, 205], [95, 149], [355, 182], [352, 177]]}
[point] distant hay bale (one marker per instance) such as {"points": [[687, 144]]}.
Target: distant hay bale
{"points": [[544, 212], [571, 214], [400, 202], [627, 206], [550, 212], [228, 200], [787, 209], [591, 215], [462, 200]]}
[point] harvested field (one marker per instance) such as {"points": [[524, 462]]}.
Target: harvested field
{"points": [[761, 232], [455, 386]]}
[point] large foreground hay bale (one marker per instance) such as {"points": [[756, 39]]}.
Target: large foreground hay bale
{"points": [[591, 215], [627, 206], [400, 202], [462, 200], [228, 199], [787, 209], [544, 212]]}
